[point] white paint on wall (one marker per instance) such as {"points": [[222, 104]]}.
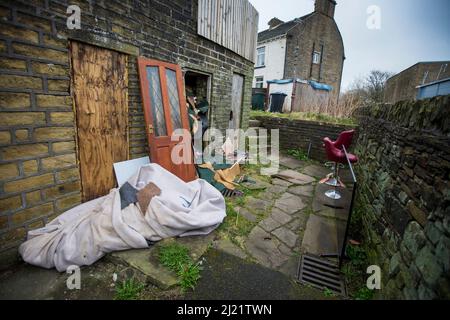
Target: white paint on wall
{"points": [[274, 61], [285, 88]]}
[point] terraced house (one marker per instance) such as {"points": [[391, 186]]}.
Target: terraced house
{"points": [[70, 97], [308, 48]]}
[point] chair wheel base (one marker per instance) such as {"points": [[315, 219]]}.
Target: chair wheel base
{"points": [[333, 194]]}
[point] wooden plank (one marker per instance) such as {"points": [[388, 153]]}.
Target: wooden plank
{"points": [[100, 86], [230, 23]]}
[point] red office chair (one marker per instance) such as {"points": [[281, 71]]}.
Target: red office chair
{"points": [[345, 139], [338, 157]]}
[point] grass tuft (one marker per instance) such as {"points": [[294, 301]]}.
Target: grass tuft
{"points": [[298, 154], [128, 290], [176, 258]]}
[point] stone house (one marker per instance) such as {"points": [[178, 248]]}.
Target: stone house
{"points": [[404, 85], [308, 48], [40, 113]]}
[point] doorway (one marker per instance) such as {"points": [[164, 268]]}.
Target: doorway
{"points": [[100, 93]]}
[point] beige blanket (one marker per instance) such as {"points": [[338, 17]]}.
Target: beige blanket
{"points": [[87, 232]]}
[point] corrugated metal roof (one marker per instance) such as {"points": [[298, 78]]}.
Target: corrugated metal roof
{"points": [[280, 30]]}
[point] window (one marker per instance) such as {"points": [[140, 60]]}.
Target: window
{"points": [[259, 82], [316, 57], [260, 57]]}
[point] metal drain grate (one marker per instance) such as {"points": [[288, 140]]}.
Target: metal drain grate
{"points": [[320, 273]]}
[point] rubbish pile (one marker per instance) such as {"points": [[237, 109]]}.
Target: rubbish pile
{"points": [[152, 205]]}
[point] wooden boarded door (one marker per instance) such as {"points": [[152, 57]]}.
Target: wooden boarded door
{"points": [[100, 92], [165, 111], [236, 101]]}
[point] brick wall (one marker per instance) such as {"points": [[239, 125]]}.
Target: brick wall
{"points": [[39, 176], [403, 174], [296, 134], [317, 29]]}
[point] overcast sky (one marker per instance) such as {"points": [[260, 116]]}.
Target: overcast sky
{"points": [[411, 31]]}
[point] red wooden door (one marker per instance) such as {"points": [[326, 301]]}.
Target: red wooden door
{"points": [[165, 111]]}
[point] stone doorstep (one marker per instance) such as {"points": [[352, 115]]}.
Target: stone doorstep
{"points": [[146, 261]]}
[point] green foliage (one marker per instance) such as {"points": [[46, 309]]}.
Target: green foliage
{"points": [[298, 154], [234, 225], [173, 255], [328, 293], [128, 290], [309, 116], [364, 294], [357, 255], [176, 258], [354, 272], [189, 274]]}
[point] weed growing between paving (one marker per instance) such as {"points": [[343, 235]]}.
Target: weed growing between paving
{"points": [[298, 154], [235, 227], [328, 293], [128, 290], [176, 258]]}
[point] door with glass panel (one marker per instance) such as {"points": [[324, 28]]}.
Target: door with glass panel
{"points": [[165, 111]]}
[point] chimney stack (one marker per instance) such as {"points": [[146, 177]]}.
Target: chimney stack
{"points": [[325, 7], [274, 22]]}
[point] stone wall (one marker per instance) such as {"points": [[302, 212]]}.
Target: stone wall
{"points": [[404, 194], [39, 174], [316, 31], [296, 134]]}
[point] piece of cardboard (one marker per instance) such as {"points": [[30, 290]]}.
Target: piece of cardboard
{"points": [[125, 169]]}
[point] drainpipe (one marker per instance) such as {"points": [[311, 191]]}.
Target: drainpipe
{"points": [[294, 90]]}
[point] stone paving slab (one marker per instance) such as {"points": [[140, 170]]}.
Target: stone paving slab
{"points": [[295, 177], [280, 182], [255, 204], [291, 163], [269, 224], [280, 216], [290, 203], [264, 248], [227, 246], [256, 184], [288, 237], [147, 260], [316, 171], [323, 235], [306, 191], [322, 202], [277, 189], [246, 214]]}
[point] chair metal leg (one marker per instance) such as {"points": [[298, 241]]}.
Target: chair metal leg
{"points": [[334, 182]]}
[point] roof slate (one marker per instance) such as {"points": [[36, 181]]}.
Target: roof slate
{"points": [[280, 30]]}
